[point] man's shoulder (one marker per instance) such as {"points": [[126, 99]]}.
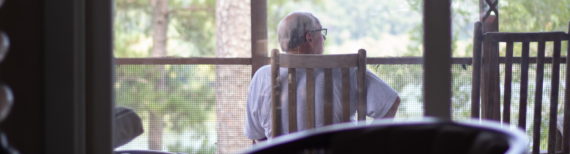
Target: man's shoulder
{"points": [[373, 78], [262, 72], [263, 69]]}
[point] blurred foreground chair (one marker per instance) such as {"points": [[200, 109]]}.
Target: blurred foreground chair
{"points": [[428, 136], [312, 64], [141, 152], [488, 56], [128, 126]]}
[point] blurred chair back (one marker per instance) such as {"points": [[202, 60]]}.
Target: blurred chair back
{"points": [[426, 136], [310, 62], [486, 79], [128, 125], [142, 152]]}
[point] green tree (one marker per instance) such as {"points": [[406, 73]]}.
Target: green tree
{"points": [[165, 95], [534, 16]]}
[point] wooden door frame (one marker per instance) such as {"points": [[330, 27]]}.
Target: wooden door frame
{"points": [[78, 75]]}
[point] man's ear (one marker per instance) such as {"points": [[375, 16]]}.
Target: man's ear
{"points": [[308, 37]]}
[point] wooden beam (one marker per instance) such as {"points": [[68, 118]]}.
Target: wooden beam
{"points": [[258, 34], [476, 76], [437, 58], [490, 105], [183, 61], [247, 61], [99, 98]]}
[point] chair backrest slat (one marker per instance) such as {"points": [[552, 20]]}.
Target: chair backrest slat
{"points": [[292, 109], [524, 85], [361, 81], [538, 98], [554, 98], [328, 104], [310, 121], [310, 63], [275, 96], [345, 94], [507, 87]]}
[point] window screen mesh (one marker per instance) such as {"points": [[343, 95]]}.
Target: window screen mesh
{"points": [[186, 108], [201, 108], [407, 80]]}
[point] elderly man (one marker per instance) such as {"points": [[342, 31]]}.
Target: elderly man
{"points": [[302, 33]]}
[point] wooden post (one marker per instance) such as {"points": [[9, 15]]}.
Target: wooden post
{"points": [[566, 127], [99, 98], [476, 76], [437, 58], [258, 34], [490, 105], [64, 94]]}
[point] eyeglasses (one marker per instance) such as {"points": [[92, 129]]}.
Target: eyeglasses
{"points": [[322, 30]]}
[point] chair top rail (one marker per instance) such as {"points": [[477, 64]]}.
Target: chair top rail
{"points": [[318, 61], [525, 37]]}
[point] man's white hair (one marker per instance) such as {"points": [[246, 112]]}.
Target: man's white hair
{"points": [[291, 29]]}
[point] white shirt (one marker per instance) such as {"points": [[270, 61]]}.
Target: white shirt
{"points": [[380, 98]]}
